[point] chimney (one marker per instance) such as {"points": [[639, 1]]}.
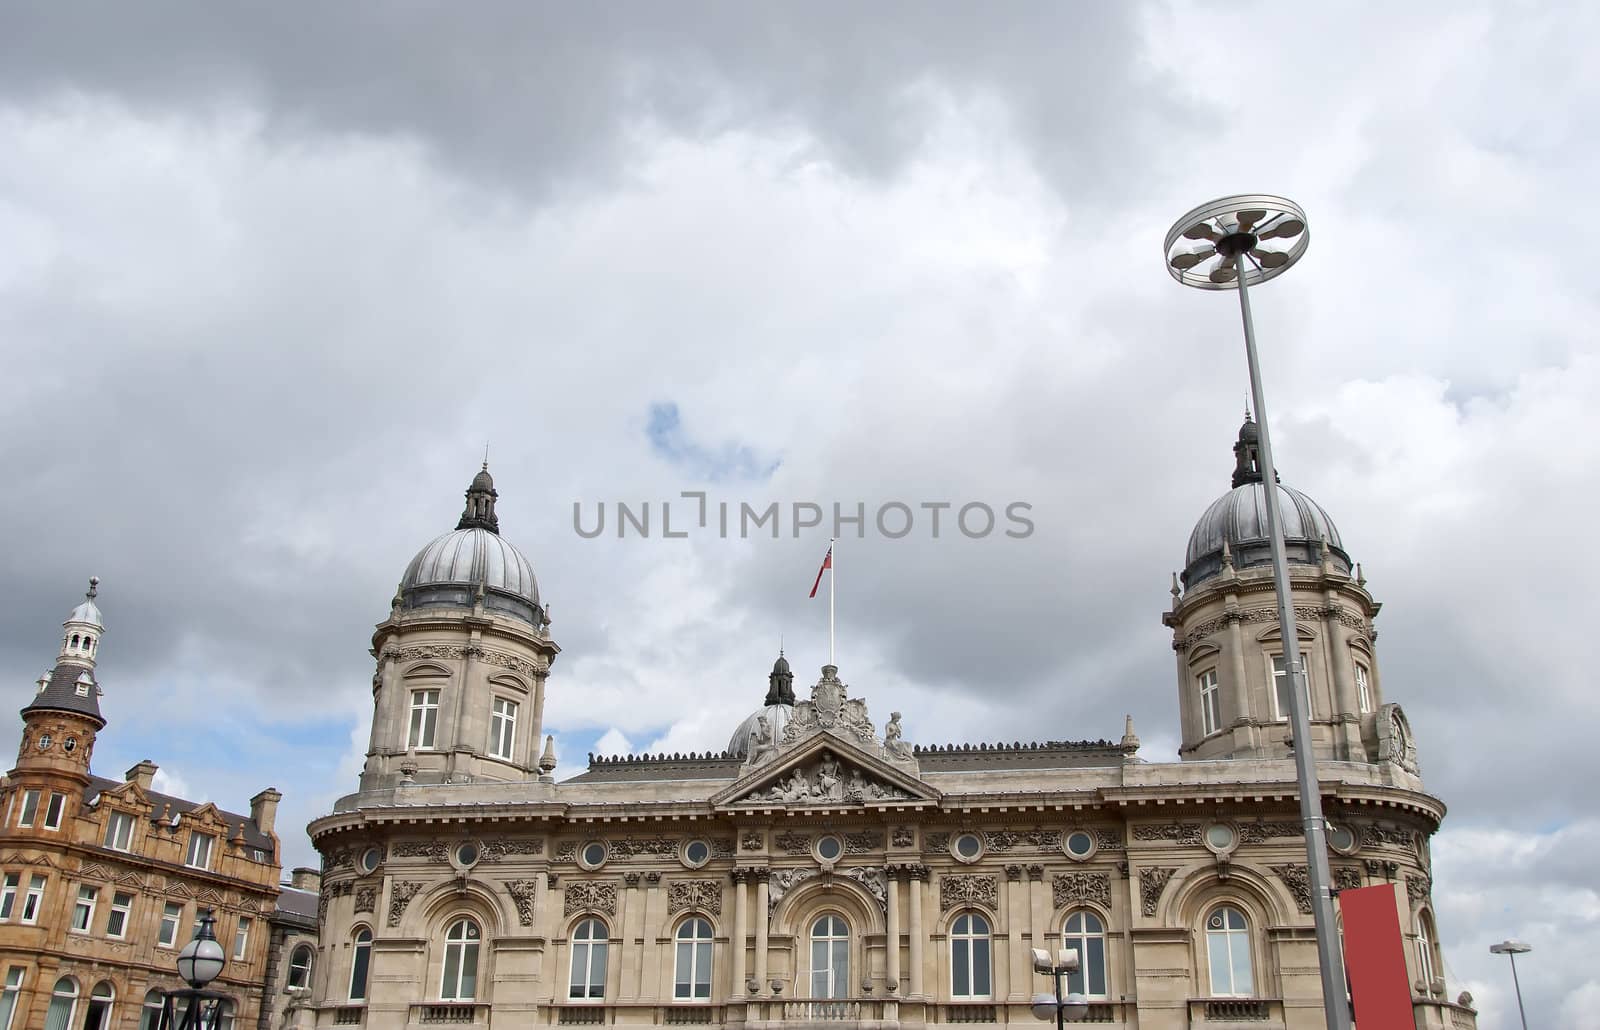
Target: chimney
{"points": [[306, 879], [144, 774], [264, 809]]}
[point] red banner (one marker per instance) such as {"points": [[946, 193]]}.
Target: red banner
{"points": [[1375, 958]]}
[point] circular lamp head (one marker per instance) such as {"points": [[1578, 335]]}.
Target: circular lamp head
{"points": [[1075, 1007], [1254, 234], [1044, 1006], [200, 961], [1511, 947]]}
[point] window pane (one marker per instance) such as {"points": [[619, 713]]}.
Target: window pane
{"points": [[358, 972], [1095, 952], [1241, 964], [1217, 960], [469, 971], [980, 967], [452, 962], [841, 968], [960, 986]]}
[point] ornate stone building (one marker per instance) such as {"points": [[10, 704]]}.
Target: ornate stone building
{"points": [[101, 880], [823, 869]]}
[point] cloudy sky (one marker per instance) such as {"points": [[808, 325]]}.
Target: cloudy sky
{"points": [[271, 278]]}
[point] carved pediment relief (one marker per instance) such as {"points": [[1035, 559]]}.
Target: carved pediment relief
{"points": [[827, 771], [1395, 742]]}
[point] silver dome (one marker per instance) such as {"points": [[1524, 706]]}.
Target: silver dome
{"points": [[88, 612], [743, 739], [1239, 518], [447, 573]]}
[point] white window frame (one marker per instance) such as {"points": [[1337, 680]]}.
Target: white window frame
{"points": [[503, 728], [965, 938], [1280, 714], [463, 941], [70, 996], [83, 909], [121, 908], [106, 1002], [360, 962], [10, 887], [837, 980], [150, 1013], [1210, 702], [171, 918], [689, 977], [1078, 937], [54, 808], [30, 807], [1228, 935], [195, 837], [241, 938], [33, 901], [119, 841], [304, 968], [1363, 688], [591, 939], [1425, 967], [423, 728], [10, 993]]}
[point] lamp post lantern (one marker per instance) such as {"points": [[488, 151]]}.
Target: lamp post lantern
{"points": [[1070, 1008], [1219, 246], [1511, 949], [199, 963]]}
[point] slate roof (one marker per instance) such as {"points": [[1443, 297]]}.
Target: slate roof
{"points": [[60, 693], [297, 907], [165, 806]]}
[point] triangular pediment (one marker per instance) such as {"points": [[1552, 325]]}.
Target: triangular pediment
{"points": [[130, 794], [826, 771]]}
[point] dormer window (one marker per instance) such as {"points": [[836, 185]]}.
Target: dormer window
{"points": [[82, 690], [119, 831], [199, 850]]}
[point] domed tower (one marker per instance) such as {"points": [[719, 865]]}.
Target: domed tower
{"points": [[60, 724], [1232, 682], [777, 709], [458, 695]]}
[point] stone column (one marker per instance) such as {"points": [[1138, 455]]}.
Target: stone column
{"points": [[892, 963], [918, 874], [1346, 706], [1241, 687], [761, 915], [741, 923]]}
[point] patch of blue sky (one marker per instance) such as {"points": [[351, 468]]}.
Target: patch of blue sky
{"points": [[723, 462]]}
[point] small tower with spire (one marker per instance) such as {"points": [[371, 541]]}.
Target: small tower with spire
{"points": [[479, 513], [780, 682]]}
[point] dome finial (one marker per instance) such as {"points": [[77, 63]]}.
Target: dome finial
{"points": [[481, 494], [780, 682], [94, 588]]}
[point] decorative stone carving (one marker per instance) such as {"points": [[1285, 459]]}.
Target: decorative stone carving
{"points": [[957, 890], [567, 851], [632, 847], [1152, 881], [495, 850], [903, 836], [1035, 871], [1346, 878], [826, 781], [830, 708], [416, 652], [874, 881], [652, 878], [705, 895], [893, 745], [793, 843], [721, 847], [432, 850], [1005, 840], [1298, 880], [1013, 873], [751, 841], [1180, 833], [1378, 867], [1109, 839], [523, 893], [400, 895], [933, 843], [630, 880], [1385, 836], [1075, 888], [1256, 833], [1395, 742], [1418, 888], [591, 895], [781, 882], [366, 899], [863, 841]]}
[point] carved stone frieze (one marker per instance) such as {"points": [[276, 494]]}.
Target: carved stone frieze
{"points": [[523, 893], [447, 652], [721, 847], [826, 781], [1256, 833], [1298, 880], [704, 895], [1006, 840], [1386, 836], [567, 851], [635, 847], [400, 895], [1152, 881], [495, 850], [1108, 839], [903, 836], [863, 841], [366, 899], [1075, 888], [1346, 878], [1418, 889], [591, 896], [1180, 833], [968, 889], [751, 841], [432, 850], [793, 843], [933, 843]]}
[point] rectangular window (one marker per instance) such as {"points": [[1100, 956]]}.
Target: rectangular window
{"points": [[119, 831], [1210, 704], [1363, 689], [1280, 688], [83, 911], [171, 916], [52, 811], [503, 728], [241, 938], [8, 999], [33, 901], [117, 921], [199, 850], [30, 808], [8, 894], [424, 718]]}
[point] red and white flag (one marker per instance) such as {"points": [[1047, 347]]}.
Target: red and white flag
{"points": [[827, 563]]}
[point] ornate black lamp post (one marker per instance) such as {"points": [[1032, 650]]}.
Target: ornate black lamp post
{"points": [[1068, 1009], [199, 963]]}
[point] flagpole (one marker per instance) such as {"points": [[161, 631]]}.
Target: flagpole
{"points": [[831, 564]]}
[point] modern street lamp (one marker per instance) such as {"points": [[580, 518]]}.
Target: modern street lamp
{"points": [[1219, 246], [1511, 949], [1071, 1008], [199, 963]]}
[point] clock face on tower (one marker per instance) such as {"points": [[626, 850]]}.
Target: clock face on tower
{"points": [[45, 741]]}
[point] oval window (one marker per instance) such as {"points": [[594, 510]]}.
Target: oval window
{"points": [[829, 849], [467, 854], [1341, 838], [370, 859]]}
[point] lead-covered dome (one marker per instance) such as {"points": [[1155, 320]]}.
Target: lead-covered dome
{"points": [[453, 567], [776, 709], [1238, 519]]}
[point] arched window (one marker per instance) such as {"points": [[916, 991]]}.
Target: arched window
{"points": [[460, 981], [969, 956], [1085, 932], [300, 966], [360, 959], [63, 1003], [8, 996], [74, 641], [588, 960], [830, 958], [1425, 964], [1228, 953], [150, 1015], [99, 1015], [224, 1015], [692, 977]]}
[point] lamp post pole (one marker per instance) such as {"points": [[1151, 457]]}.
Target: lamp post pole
{"points": [[1511, 949], [1068, 1008], [199, 963], [1233, 229]]}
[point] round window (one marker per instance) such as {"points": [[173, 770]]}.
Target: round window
{"points": [[1220, 836], [968, 846], [1341, 838], [1080, 844], [696, 853], [829, 849], [466, 854], [593, 854], [370, 859]]}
